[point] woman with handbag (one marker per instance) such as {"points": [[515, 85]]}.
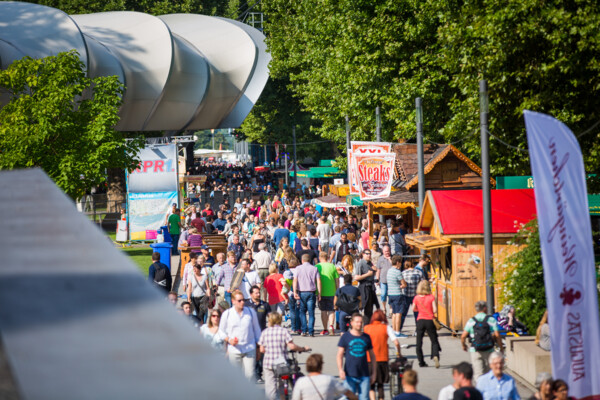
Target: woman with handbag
{"points": [[424, 304], [198, 291]]}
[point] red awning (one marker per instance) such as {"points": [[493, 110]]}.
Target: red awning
{"points": [[461, 211]]}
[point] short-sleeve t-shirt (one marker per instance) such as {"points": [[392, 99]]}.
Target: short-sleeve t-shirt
{"points": [[467, 393], [273, 286], [384, 265], [479, 317], [174, 224], [362, 268], [394, 279], [329, 277], [355, 352], [424, 306]]}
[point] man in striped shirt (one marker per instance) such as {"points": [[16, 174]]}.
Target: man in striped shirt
{"points": [[226, 274], [395, 283]]}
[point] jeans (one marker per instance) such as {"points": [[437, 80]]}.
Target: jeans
{"points": [[384, 291], [228, 298], [174, 249], [278, 308], [407, 302], [295, 314], [359, 386], [342, 321], [258, 368], [422, 326], [307, 303]]}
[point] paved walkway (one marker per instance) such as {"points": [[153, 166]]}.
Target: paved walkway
{"points": [[431, 380]]}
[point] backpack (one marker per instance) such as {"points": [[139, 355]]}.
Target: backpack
{"points": [[347, 304], [160, 275], [482, 335]]}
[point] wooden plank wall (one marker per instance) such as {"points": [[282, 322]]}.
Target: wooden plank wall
{"points": [[457, 297], [452, 173]]}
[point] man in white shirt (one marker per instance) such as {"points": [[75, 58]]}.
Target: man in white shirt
{"points": [[240, 325], [324, 233], [250, 278], [262, 259]]}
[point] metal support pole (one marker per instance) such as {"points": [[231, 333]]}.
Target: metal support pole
{"points": [[295, 161], [265, 146], [487, 203], [212, 133], [347, 133], [378, 124], [420, 158], [287, 184]]}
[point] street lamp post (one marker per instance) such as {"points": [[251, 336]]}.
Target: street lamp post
{"points": [[485, 186]]}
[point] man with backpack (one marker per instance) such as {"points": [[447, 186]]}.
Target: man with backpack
{"points": [[159, 274], [347, 302], [483, 332]]}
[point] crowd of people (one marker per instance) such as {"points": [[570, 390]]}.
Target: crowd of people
{"points": [[286, 256]]}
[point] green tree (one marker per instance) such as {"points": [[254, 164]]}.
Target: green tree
{"points": [[62, 121], [347, 57], [272, 119], [523, 284]]}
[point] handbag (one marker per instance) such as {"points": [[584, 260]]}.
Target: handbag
{"points": [[437, 324]]}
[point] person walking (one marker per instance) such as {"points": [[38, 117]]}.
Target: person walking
{"points": [[324, 234], [226, 274], [242, 332], [411, 277], [462, 374], [346, 302], [495, 384], [384, 263], [316, 385], [380, 332], [159, 274], [364, 273], [175, 227], [263, 261], [307, 283], [274, 342], [274, 286], [353, 346], [395, 289], [482, 331], [198, 291], [410, 379], [262, 310], [329, 285], [424, 304]]}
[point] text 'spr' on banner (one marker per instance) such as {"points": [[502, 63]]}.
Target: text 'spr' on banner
{"points": [[151, 189], [567, 253]]}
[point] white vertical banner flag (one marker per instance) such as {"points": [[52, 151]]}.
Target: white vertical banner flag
{"points": [[567, 253]]}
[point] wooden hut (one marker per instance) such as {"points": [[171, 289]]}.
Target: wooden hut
{"points": [[451, 230], [445, 168]]}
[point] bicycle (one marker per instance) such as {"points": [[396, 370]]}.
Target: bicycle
{"points": [[397, 369], [287, 374]]}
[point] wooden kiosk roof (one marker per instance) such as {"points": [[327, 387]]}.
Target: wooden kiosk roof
{"points": [[457, 213], [406, 167]]}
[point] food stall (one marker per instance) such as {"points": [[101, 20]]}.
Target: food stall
{"points": [[450, 229]]}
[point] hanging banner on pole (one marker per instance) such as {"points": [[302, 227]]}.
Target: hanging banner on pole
{"points": [[567, 253], [363, 148], [151, 190], [374, 173]]}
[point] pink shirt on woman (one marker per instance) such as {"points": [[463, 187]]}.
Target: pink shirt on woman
{"points": [[424, 306], [273, 285]]}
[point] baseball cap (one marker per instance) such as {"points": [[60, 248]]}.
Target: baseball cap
{"points": [[204, 247]]}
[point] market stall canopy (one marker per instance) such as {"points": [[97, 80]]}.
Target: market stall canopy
{"points": [[331, 201], [400, 199], [320, 172], [460, 212], [354, 200]]}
